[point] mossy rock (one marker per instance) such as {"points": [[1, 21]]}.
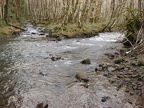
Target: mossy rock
{"points": [[86, 61]]}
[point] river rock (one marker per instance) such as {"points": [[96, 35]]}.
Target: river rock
{"points": [[81, 76], [86, 61], [105, 98], [33, 33], [111, 69], [43, 74], [142, 90], [110, 56], [127, 89], [15, 33], [118, 61], [41, 33], [59, 38], [55, 58], [96, 69], [49, 34], [42, 105], [140, 102], [103, 67], [39, 29], [123, 52], [141, 61]]}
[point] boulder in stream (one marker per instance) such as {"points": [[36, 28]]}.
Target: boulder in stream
{"points": [[105, 98], [81, 76], [86, 61], [55, 58]]}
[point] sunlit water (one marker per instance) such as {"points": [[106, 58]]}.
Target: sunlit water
{"points": [[23, 59]]}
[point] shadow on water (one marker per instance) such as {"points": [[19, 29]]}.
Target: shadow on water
{"points": [[28, 71]]}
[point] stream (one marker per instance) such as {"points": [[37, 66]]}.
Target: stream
{"points": [[28, 72]]}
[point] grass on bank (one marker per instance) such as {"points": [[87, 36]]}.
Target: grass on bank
{"points": [[6, 30], [72, 30]]}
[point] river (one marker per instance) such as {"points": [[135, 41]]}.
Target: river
{"points": [[28, 72]]}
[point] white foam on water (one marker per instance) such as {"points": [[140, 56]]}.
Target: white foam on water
{"points": [[108, 37], [82, 43], [68, 62], [68, 47]]}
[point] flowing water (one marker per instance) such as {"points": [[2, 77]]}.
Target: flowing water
{"points": [[28, 72]]}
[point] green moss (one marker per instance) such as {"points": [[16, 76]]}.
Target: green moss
{"points": [[2, 23], [72, 30], [7, 30], [86, 61]]}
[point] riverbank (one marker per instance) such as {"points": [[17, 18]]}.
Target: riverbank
{"points": [[60, 30], [126, 72], [73, 31], [7, 32]]}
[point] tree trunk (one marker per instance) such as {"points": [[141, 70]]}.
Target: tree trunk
{"points": [[6, 11]]}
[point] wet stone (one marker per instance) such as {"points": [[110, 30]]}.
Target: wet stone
{"points": [[134, 63], [96, 69], [119, 76], [86, 61], [127, 79], [110, 56], [86, 85], [60, 38], [111, 69], [81, 76], [105, 98], [55, 58], [141, 61], [112, 80], [135, 76], [108, 75], [120, 68], [103, 67], [118, 61], [140, 102], [123, 52], [142, 90], [41, 33], [126, 69], [33, 33], [42, 105], [127, 89], [43, 74]]}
